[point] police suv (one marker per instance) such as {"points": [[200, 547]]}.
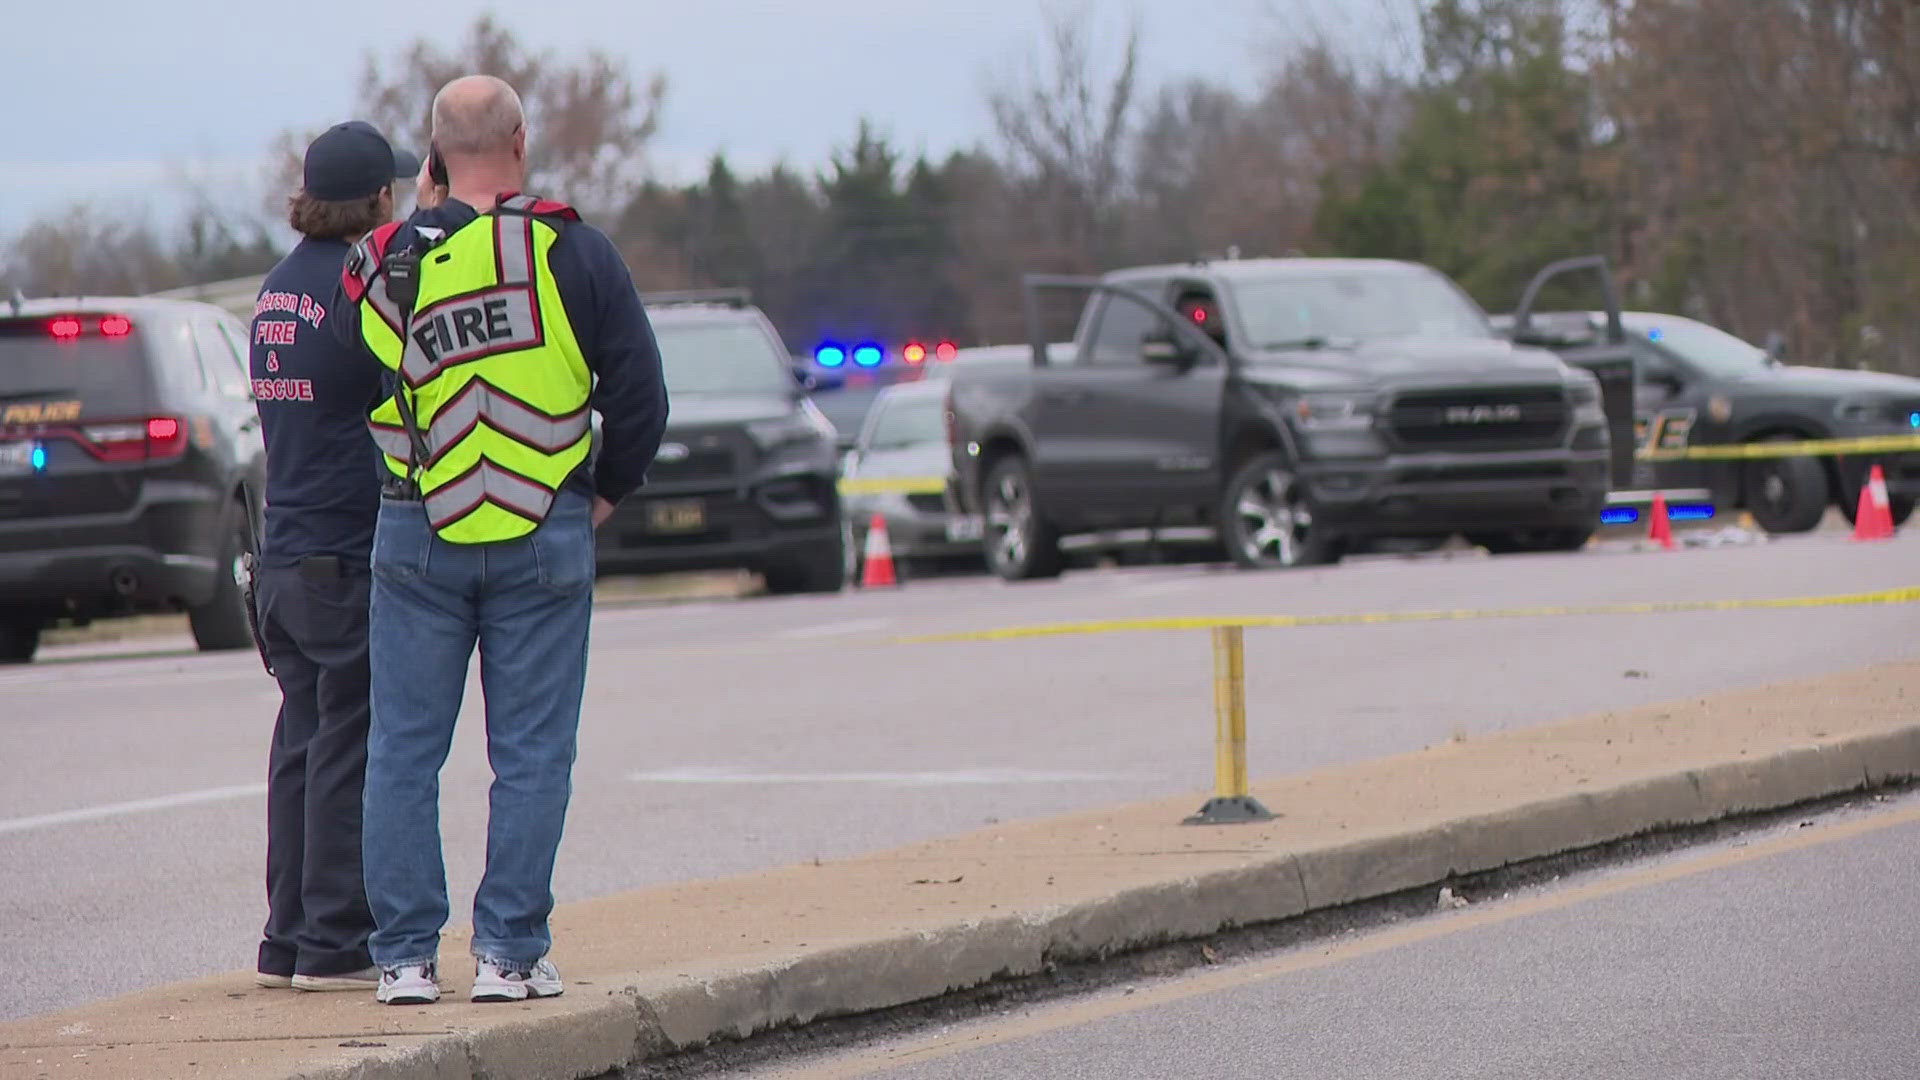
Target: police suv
{"points": [[130, 461], [748, 471], [1696, 385]]}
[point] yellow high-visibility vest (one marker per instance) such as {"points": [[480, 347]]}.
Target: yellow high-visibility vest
{"points": [[491, 368]]}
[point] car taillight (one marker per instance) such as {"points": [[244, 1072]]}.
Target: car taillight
{"points": [[116, 326], [64, 328], [152, 439]]}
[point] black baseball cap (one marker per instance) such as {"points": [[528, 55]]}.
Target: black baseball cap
{"points": [[353, 161]]}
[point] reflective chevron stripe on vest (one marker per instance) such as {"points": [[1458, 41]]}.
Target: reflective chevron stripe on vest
{"points": [[491, 367]]}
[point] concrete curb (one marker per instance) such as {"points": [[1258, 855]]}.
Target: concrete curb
{"points": [[653, 1014]]}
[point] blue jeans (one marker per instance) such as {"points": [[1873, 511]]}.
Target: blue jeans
{"points": [[527, 603]]}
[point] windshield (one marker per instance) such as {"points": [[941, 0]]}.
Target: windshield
{"points": [[913, 421], [107, 374], [1356, 305], [720, 358], [1705, 347]]}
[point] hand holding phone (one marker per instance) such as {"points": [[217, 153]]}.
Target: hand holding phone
{"points": [[430, 189]]}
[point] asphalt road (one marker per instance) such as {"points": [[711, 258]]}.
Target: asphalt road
{"points": [[1788, 954], [736, 735]]}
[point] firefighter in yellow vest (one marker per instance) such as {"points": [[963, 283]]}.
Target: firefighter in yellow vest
{"points": [[501, 322]]}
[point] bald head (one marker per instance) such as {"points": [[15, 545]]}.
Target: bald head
{"points": [[477, 116]]}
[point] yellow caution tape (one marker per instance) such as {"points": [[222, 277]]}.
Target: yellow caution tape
{"points": [[1118, 626], [1871, 444], [905, 485]]}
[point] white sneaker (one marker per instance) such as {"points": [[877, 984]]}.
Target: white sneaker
{"points": [[409, 984], [498, 982], [352, 980]]}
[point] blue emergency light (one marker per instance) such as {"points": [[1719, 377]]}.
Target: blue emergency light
{"points": [[869, 355], [1619, 515], [1690, 512], [39, 458], [829, 356], [1913, 419]]}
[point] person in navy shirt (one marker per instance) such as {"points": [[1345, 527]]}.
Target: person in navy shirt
{"points": [[322, 499]]}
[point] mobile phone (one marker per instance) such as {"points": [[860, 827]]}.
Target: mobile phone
{"points": [[436, 166]]}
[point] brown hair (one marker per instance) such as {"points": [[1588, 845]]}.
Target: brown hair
{"points": [[319, 219]]}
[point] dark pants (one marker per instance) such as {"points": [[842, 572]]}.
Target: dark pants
{"points": [[314, 628]]}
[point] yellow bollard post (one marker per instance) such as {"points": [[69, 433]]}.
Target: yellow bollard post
{"points": [[1229, 711], [1231, 802]]}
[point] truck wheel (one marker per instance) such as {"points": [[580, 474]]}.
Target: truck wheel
{"points": [[221, 623], [1523, 541], [1020, 544], [19, 640], [819, 569], [1266, 519], [1789, 494]]}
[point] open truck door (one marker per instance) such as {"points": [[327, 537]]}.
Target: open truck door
{"points": [[1608, 356]]}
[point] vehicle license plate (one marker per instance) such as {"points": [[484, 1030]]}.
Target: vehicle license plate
{"points": [[963, 528], [684, 515], [16, 458]]}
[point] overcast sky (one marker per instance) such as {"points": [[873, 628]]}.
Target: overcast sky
{"points": [[115, 100]]}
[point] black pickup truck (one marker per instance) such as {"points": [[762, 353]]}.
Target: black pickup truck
{"points": [[1698, 386], [1293, 407]]}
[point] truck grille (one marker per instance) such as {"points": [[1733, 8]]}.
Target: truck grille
{"points": [[1493, 418]]}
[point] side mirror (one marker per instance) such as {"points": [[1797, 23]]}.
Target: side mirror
{"points": [[813, 380], [1164, 350]]}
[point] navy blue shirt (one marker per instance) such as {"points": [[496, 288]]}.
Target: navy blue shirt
{"points": [[312, 392], [615, 338]]}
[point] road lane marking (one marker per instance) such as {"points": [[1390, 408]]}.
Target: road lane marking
{"points": [[1107, 1004], [834, 629], [137, 806], [1657, 607], [700, 775]]}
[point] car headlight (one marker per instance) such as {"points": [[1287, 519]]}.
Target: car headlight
{"points": [[1878, 412], [1583, 389], [806, 424], [1334, 412]]}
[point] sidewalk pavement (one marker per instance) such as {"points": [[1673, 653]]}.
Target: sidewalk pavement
{"points": [[677, 966]]}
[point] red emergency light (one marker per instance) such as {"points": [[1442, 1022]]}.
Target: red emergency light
{"points": [[946, 350], [914, 353], [70, 327]]}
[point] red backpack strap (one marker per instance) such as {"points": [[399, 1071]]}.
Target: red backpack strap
{"points": [[516, 203], [363, 262]]}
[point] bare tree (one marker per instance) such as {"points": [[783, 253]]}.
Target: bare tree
{"points": [[80, 251], [1065, 128], [588, 121], [1775, 158]]}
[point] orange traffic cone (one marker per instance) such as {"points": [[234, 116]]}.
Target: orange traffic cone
{"points": [[1874, 518], [1661, 529], [878, 557]]}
